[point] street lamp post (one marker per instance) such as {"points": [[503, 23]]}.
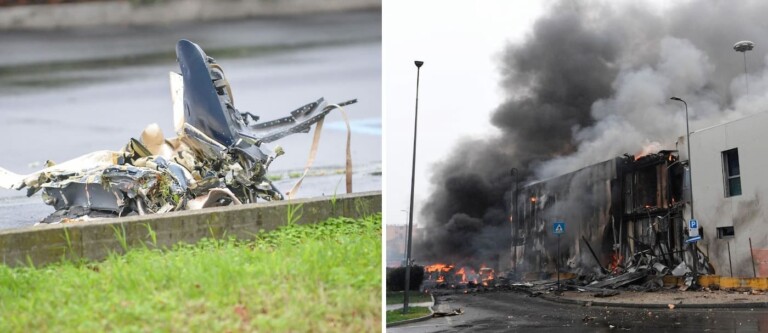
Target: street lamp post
{"points": [[413, 181], [690, 186], [405, 245], [743, 47], [514, 215]]}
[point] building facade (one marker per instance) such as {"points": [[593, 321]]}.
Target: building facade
{"points": [[396, 243], [613, 211], [727, 165]]}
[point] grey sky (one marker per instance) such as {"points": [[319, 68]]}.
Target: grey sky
{"points": [[460, 43]]}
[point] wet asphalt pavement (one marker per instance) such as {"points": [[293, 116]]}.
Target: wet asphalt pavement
{"points": [[516, 312], [70, 92]]}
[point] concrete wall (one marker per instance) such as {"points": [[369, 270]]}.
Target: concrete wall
{"points": [[744, 212], [162, 12], [96, 239]]}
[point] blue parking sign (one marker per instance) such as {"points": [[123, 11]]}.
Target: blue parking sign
{"points": [[693, 224]]}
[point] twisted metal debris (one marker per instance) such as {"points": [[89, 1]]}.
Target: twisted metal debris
{"points": [[219, 157]]}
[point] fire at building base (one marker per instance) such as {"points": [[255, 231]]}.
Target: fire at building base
{"points": [[624, 225]]}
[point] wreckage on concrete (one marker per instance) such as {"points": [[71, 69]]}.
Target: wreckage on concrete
{"points": [[219, 157]]}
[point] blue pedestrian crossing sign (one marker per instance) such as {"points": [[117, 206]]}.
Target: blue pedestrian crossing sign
{"points": [[559, 227], [693, 224]]}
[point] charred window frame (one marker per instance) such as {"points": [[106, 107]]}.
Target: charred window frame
{"points": [[731, 172], [640, 190]]}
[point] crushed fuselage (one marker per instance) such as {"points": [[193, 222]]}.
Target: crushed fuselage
{"points": [[217, 158]]}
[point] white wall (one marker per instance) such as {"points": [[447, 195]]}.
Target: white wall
{"points": [[744, 212]]}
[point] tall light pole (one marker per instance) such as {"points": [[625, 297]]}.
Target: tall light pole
{"points": [[743, 47], [690, 186], [514, 216], [405, 243], [413, 181]]}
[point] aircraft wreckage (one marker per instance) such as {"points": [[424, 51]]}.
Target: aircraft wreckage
{"points": [[219, 157]]}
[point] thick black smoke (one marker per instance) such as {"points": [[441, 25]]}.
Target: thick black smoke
{"points": [[591, 82]]}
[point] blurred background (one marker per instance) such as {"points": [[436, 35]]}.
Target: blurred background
{"points": [[81, 76]]}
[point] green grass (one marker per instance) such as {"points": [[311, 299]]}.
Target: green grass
{"points": [[322, 277], [413, 297], [413, 312], [275, 177], [293, 175]]}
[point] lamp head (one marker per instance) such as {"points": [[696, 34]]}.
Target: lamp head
{"points": [[418, 63], [743, 46], [676, 99]]}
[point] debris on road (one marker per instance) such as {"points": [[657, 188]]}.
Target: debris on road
{"points": [[620, 280], [455, 312], [607, 293], [680, 269]]}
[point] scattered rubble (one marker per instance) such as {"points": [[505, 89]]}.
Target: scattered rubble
{"points": [[455, 312], [620, 280], [606, 293], [644, 272]]}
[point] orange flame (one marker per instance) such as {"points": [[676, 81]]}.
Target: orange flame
{"points": [[463, 274], [649, 148], [445, 273], [487, 274], [438, 268]]}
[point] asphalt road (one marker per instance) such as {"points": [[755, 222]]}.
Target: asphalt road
{"points": [[71, 92], [516, 312]]}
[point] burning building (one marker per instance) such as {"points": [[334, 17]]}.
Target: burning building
{"points": [[612, 210], [620, 211], [633, 205]]}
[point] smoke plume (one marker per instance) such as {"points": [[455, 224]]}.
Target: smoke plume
{"points": [[591, 82]]}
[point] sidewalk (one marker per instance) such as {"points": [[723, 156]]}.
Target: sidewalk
{"points": [[144, 13], [391, 307], [666, 298], [432, 305]]}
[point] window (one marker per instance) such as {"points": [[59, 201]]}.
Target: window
{"points": [[731, 172], [725, 232]]}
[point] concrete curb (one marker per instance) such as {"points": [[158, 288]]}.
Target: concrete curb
{"points": [[94, 240], [557, 299], [723, 282], [415, 320]]}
